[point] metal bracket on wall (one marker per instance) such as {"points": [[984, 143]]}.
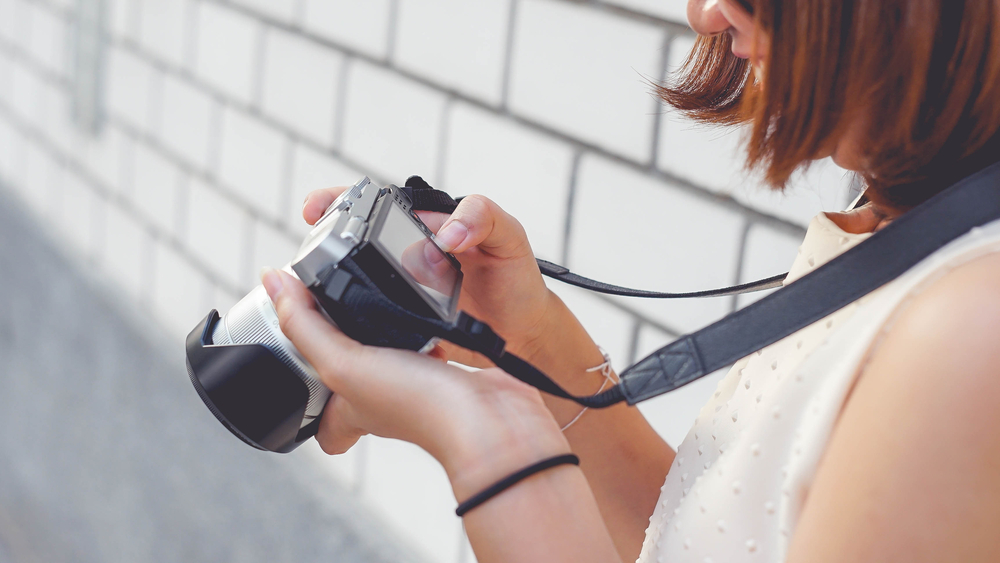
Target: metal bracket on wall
{"points": [[88, 65]]}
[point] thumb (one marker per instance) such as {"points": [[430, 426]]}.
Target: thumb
{"points": [[322, 344], [478, 221]]}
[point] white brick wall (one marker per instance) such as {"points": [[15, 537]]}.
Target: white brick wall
{"points": [[216, 229], [253, 161], [585, 74], [129, 82], [189, 121], [163, 28], [361, 26], [526, 172], [227, 51], [224, 114], [429, 34], [300, 85], [392, 125], [48, 33], [632, 230]]}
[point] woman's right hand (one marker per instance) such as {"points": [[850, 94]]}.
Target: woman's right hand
{"points": [[502, 283]]}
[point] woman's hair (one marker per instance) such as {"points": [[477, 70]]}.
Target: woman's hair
{"points": [[915, 82]]}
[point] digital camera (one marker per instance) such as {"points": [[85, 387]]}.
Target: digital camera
{"points": [[374, 269]]}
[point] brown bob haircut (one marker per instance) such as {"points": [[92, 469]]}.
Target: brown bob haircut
{"points": [[916, 82]]}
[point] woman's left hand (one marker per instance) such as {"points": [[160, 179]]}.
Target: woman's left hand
{"points": [[478, 425]]}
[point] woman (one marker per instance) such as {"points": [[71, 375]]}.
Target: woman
{"points": [[847, 441]]}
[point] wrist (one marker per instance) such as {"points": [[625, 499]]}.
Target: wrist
{"points": [[505, 437]]}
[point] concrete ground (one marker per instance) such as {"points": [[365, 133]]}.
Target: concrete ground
{"points": [[107, 454]]}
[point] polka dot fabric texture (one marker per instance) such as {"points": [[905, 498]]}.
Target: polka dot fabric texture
{"points": [[742, 474]]}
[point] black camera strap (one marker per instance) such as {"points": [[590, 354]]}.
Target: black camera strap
{"points": [[971, 202]]}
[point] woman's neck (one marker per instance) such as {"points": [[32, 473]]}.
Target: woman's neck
{"points": [[864, 219]]}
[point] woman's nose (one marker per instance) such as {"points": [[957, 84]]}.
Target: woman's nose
{"points": [[706, 18]]}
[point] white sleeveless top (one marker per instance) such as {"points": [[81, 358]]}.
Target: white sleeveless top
{"points": [[741, 476]]}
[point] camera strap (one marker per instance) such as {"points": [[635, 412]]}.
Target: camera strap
{"points": [[971, 202], [425, 198]]}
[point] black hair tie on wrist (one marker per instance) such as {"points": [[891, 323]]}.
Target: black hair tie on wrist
{"points": [[507, 482]]}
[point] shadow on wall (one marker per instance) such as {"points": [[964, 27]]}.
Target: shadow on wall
{"points": [[107, 454]]}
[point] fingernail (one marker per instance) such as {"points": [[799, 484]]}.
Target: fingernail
{"points": [[272, 283], [451, 236]]}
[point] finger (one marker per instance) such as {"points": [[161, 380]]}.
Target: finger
{"points": [[320, 342], [439, 353], [478, 221], [337, 433], [465, 357], [433, 219], [317, 201]]}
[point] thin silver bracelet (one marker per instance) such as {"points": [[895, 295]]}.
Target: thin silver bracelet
{"points": [[609, 377]]}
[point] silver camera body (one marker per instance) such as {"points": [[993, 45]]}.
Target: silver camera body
{"points": [[368, 243]]}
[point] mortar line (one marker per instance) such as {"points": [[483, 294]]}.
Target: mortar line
{"points": [[570, 204], [392, 28], [740, 259], [509, 55], [654, 146]]}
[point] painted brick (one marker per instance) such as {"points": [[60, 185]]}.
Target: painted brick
{"points": [[392, 125], [429, 31], [217, 233], [585, 76], [411, 492], [672, 10], [527, 173], [78, 216], [189, 121], [124, 19], [156, 189], [10, 20], [673, 414], [283, 10], [179, 292], [13, 144], [48, 36], [126, 244], [7, 141], [164, 28], [105, 156], [632, 230], [271, 249], [130, 80], [363, 26], [226, 50], [41, 176], [313, 170], [607, 324], [54, 118], [767, 252], [63, 5], [6, 72], [24, 89], [252, 161], [22, 22], [300, 84]]}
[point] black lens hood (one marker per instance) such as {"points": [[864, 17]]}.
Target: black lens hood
{"points": [[252, 393]]}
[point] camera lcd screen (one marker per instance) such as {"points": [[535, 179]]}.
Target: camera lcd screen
{"points": [[419, 257]]}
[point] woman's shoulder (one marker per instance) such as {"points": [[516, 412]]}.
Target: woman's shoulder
{"points": [[917, 444], [944, 339]]}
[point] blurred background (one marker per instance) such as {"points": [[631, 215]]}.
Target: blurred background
{"points": [[154, 155]]}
